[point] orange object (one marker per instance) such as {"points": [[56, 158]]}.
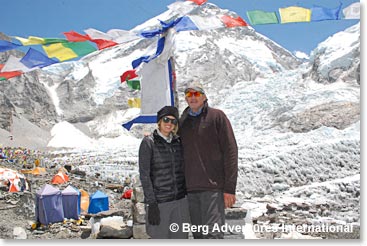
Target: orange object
{"points": [[60, 178], [84, 201]]}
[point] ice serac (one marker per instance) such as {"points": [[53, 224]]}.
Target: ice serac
{"points": [[299, 126]]}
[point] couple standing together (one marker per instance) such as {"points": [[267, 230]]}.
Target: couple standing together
{"points": [[188, 168]]}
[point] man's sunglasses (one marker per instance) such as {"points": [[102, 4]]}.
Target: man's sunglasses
{"points": [[166, 120], [193, 93]]}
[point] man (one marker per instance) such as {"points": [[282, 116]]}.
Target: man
{"points": [[211, 162]]}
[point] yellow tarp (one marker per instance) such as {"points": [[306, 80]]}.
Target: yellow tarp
{"points": [[35, 171]]}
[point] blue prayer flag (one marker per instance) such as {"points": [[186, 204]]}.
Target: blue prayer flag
{"points": [[34, 58], [320, 13], [6, 45], [185, 24]]}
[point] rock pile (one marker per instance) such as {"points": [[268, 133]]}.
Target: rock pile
{"points": [[20, 207]]}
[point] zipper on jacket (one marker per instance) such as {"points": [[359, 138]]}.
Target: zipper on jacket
{"points": [[171, 148]]}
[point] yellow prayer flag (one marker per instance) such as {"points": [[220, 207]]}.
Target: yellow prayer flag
{"points": [[36, 40], [134, 102], [31, 40], [294, 14], [59, 51]]}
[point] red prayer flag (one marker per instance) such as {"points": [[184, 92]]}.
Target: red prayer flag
{"points": [[198, 2], [130, 74], [76, 37], [102, 44], [233, 22], [9, 74]]}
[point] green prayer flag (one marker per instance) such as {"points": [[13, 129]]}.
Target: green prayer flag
{"points": [[133, 84], [80, 48], [258, 17]]}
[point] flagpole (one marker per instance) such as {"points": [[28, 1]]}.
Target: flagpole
{"points": [[174, 82], [11, 125]]}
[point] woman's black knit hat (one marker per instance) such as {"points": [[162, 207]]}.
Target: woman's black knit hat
{"points": [[167, 110]]}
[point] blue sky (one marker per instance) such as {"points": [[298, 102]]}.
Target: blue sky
{"points": [[50, 18]]}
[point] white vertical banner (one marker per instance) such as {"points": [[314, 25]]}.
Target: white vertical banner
{"points": [[155, 87]]}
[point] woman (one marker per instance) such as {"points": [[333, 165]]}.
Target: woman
{"points": [[162, 177]]}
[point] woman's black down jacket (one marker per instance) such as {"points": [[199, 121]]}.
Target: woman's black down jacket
{"points": [[161, 169]]}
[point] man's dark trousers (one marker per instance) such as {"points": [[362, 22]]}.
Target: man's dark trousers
{"points": [[207, 209]]}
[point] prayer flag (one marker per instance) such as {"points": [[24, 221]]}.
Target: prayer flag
{"points": [[353, 11], [134, 102], [6, 45], [130, 74], [32, 40], [185, 24], [196, 22], [103, 44], [96, 34], [8, 75], [34, 58], [258, 17], [198, 2], [320, 13], [294, 14], [233, 22], [67, 51], [133, 84], [122, 36], [13, 64], [207, 22], [116, 35], [76, 37]]}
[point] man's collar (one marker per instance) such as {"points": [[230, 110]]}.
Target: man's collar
{"points": [[192, 113]]}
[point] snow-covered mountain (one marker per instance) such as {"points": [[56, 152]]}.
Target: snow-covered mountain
{"points": [[338, 57], [87, 91], [297, 124]]}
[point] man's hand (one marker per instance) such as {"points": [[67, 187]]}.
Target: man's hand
{"points": [[154, 217], [229, 200]]}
